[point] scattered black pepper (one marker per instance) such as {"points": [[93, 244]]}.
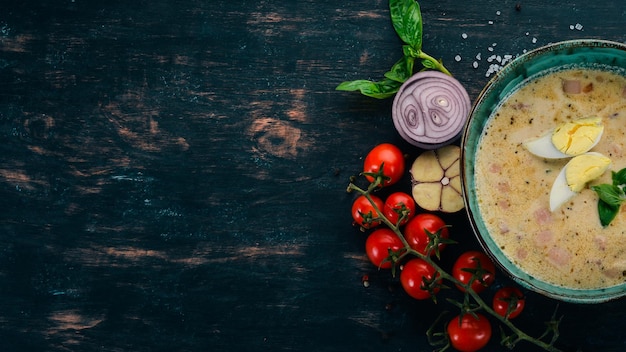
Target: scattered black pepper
{"points": [[518, 7]]}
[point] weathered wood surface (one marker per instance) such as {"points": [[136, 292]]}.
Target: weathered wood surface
{"points": [[172, 174]]}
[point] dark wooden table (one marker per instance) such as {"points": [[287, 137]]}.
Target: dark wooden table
{"points": [[173, 173]]}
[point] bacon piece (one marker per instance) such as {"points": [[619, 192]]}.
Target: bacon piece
{"points": [[504, 227], [572, 86], [495, 168], [503, 187], [559, 256], [600, 241], [522, 253], [544, 237], [543, 216], [504, 204]]}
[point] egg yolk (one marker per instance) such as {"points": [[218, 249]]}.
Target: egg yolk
{"points": [[584, 168], [576, 137]]}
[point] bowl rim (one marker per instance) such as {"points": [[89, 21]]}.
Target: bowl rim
{"points": [[502, 79]]}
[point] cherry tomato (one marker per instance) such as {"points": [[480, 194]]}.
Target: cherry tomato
{"points": [[415, 231], [396, 202], [378, 245], [471, 260], [469, 333], [392, 160], [363, 209], [506, 296], [412, 278]]}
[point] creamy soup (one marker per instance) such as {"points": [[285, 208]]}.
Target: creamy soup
{"points": [[567, 247]]}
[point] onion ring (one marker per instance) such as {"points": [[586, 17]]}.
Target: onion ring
{"points": [[430, 109]]}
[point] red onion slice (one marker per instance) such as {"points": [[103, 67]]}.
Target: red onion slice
{"points": [[430, 109]]}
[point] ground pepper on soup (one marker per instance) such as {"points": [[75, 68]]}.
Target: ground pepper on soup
{"points": [[567, 246]]}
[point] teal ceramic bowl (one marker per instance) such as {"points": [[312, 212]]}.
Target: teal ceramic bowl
{"points": [[575, 54]]}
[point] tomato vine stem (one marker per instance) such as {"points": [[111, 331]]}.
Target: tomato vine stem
{"points": [[466, 306]]}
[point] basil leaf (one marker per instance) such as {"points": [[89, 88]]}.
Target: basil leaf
{"points": [[353, 85], [401, 70], [379, 90], [406, 18], [607, 212], [619, 178], [609, 194]]}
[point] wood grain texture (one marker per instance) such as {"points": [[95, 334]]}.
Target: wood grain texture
{"points": [[173, 172]]}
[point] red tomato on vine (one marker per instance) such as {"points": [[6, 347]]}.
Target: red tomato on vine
{"points": [[380, 244], [469, 333], [395, 204], [472, 261], [416, 231], [363, 211], [390, 158], [506, 297], [415, 276]]}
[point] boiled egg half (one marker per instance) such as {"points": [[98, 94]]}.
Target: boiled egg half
{"points": [[568, 139], [575, 175]]}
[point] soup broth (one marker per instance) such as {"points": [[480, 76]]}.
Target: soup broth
{"points": [[567, 247]]}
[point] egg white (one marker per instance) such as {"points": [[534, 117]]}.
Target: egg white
{"points": [[544, 148], [561, 191]]}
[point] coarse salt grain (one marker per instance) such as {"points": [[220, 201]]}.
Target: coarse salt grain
{"points": [[464, 35], [475, 64], [457, 58], [493, 68], [578, 26], [490, 22], [496, 63]]}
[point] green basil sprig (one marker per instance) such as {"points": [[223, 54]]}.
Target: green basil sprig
{"points": [[406, 18], [611, 197]]}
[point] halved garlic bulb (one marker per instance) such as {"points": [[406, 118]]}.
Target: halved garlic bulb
{"points": [[436, 179], [568, 139], [575, 175]]}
